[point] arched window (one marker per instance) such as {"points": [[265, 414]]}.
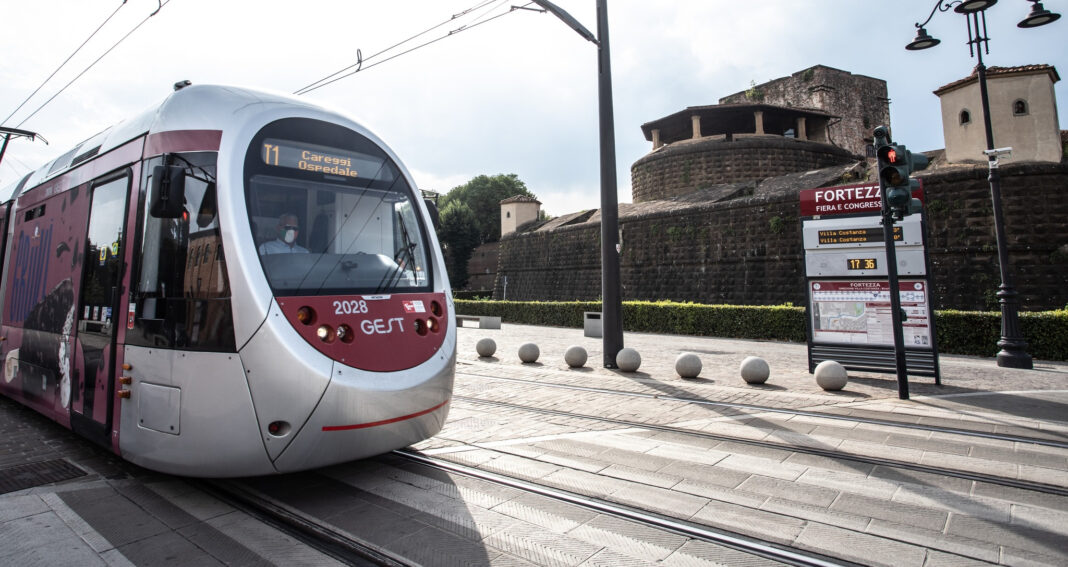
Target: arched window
{"points": [[965, 116], [1019, 108], [508, 214]]}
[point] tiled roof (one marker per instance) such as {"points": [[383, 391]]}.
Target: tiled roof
{"points": [[995, 71], [520, 199]]}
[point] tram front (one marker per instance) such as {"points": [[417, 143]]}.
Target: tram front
{"points": [[356, 353]]}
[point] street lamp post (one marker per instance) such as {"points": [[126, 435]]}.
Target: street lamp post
{"points": [[1013, 352], [611, 289]]}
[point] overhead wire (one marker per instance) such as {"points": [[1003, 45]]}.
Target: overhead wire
{"points": [[7, 162], [359, 57], [61, 65], [486, 5], [359, 65], [161, 4]]}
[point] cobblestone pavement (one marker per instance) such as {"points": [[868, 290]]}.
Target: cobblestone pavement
{"points": [[758, 472], [874, 514]]}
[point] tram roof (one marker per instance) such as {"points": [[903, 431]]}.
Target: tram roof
{"points": [[190, 107]]}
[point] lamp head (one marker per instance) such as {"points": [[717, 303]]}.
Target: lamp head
{"points": [[922, 41], [1039, 16], [972, 6]]}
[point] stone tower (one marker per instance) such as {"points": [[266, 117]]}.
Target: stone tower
{"points": [[517, 211], [1023, 114], [861, 102]]}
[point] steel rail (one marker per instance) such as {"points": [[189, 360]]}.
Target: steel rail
{"points": [[738, 542], [321, 537]]}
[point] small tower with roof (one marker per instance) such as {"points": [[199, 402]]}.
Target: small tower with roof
{"points": [[517, 211], [1023, 114]]}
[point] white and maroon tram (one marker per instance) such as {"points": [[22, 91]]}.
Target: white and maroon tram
{"points": [[234, 283]]}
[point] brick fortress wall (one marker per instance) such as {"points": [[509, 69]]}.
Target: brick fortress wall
{"points": [[685, 167], [748, 251]]}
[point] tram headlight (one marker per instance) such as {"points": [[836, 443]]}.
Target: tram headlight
{"points": [[306, 315], [344, 333], [325, 333], [279, 428]]}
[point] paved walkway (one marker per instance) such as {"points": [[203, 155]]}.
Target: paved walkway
{"points": [[966, 380], [102, 511]]}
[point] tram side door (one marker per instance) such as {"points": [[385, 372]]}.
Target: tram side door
{"points": [[93, 383]]}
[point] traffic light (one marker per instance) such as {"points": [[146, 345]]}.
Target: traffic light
{"points": [[895, 164], [894, 178]]}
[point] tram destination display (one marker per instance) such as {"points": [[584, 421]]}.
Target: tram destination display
{"points": [[320, 159]]}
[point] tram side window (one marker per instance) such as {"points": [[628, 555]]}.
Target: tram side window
{"points": [[182, 297]]}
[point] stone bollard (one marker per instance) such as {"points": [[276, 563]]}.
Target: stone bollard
{"points": [[575, 356], [485, 347], [688, 365], [529, 352], [628, 360], [830, 375], [755, 370]]}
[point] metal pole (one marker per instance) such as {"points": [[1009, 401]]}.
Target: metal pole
{"points": [[1013, 352], [611, 287], [3, 148], [895, 302]]}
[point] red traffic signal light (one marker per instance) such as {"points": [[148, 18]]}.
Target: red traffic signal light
{"points": [[893, 165]]}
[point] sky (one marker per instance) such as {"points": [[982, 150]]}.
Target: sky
{"points": [[509, 94]]}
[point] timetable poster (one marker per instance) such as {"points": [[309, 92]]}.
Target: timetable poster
{"points": [[858, 312]]}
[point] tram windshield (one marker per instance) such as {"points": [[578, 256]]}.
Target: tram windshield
{"points": [[331, 213]]}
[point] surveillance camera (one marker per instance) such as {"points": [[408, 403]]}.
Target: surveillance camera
{"points": [[999, 152], [882, 132]]}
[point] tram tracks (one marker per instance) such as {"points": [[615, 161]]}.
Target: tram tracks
{"points": [[307, 529], [319, 533], [705, 528], [747, 545], [806, 449]]}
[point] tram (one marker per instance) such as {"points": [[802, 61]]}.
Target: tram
{"points": [[233, 283]]}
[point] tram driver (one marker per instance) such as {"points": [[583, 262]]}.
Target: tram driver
{"points": [[285, 241]]}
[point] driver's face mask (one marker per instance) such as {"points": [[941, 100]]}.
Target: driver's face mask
{"points": [[288, 234]]}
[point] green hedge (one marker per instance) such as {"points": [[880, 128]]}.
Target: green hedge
{"points": [[959, 332]]}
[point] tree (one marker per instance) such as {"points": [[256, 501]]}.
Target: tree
{"points": [[483, 195], [459, 238]]}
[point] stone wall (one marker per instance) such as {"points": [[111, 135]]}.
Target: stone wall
{"points": [[861, 101], [482, 267], [685, 167], [962, 242], [748, 250]]}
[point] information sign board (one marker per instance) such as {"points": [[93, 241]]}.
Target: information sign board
{"points": [[858, 312], [850, 318]]}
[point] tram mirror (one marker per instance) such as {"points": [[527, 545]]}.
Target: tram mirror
{"points": [[435, 215], [206, 213], [168, 192]]}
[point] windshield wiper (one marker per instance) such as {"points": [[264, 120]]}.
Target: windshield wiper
{"points": [[404, 257]]}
